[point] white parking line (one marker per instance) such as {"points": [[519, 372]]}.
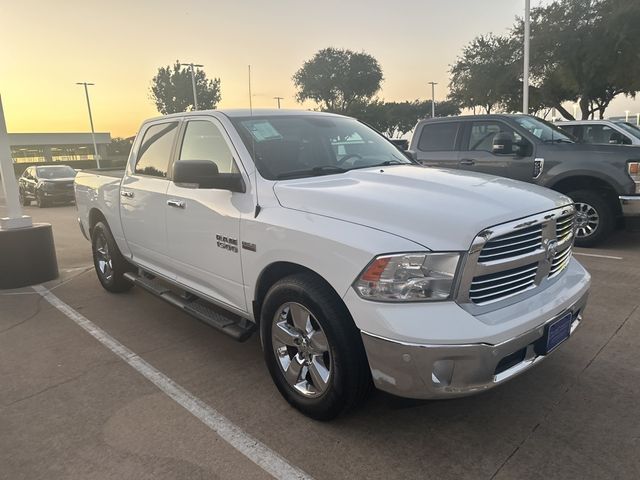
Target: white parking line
{"points": [[598, 256], [270, 461]]}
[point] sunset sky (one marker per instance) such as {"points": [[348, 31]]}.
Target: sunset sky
{"points": [[46, 46]]}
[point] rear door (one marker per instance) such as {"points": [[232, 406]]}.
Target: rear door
{"points": [[477, 154], [437, 144], [143, 196], [203, 225]]}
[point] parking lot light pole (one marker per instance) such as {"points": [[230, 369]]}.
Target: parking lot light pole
{"points": [[433, 99], [192, 67], [527, 39], [14, 218], [27, 251], [93, 133]]}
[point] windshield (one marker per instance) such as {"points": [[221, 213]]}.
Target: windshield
{"points": [[309, 145], [629, 128], [545, 131], [55, 172]]}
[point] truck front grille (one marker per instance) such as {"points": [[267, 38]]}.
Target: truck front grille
{"points": [[519, 242], [519, 256]]}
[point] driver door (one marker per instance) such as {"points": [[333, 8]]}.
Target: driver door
{"points": [[203, 224], [477, 153]]}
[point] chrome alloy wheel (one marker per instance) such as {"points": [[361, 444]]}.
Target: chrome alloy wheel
{"points": [[103, 257], [302, 349], [587, 220]]}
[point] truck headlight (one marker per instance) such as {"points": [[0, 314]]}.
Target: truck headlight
{"points": [[409, 277]]}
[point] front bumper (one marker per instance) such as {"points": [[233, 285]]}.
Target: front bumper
{"points": [[65, 196], [630, 205], [443, 370]]}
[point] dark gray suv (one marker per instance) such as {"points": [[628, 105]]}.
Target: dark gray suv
{"points": [[603, 180]]}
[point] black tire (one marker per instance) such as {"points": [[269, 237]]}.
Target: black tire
{"points": [[592, 234], [24, 201], [41, 202], [109, 263], [349, 380]]}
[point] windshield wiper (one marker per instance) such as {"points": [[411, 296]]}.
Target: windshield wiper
{"points": [[557, 140], [315, 171]]}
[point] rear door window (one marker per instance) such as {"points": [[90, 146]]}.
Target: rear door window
{"points": [[154, 153], [438, 137]]}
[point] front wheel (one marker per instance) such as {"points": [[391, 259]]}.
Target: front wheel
{"points": [[594, 218], [40, 201], [312, 347], [24, 201], [109, 263]]}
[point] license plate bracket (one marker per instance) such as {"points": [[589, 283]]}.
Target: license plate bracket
{"points": [[555, 333]]}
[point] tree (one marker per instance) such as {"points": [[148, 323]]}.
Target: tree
{"points": [[395, 119], [585, 51], [485, 75], [581, 50], [338, 79], [172, 91], [119, 146]]}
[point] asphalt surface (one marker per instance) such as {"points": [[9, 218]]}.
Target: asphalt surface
{"points": [[70, 408]]}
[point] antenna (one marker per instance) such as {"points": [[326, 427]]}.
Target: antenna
{"points": [[253, 148]]}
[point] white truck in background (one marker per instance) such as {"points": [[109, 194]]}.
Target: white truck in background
{"points": [[358, 266]]}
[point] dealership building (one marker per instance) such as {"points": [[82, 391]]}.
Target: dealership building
{"points": [[27, 148]]}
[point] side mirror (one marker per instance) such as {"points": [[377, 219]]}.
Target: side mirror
{"points": [[411, 155], [502, 143], [204, 174]]}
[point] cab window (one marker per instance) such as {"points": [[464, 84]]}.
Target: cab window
{"points": [[155, 150], [482, 134], [438, 137], [204, 141]]}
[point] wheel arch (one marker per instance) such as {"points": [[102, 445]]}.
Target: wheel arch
{"points": [[276, 271], [95, 216], [587, 182]]}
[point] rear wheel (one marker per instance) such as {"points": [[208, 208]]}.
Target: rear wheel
{"points": [[109, 263], [594, 217], [312, 348]]}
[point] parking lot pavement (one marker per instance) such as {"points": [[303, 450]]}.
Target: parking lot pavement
{"points": [[70, 408]]}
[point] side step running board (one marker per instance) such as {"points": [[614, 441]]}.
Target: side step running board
{"points": [[233, 325]]}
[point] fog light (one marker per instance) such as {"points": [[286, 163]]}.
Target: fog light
{"points": [[442, 372]]}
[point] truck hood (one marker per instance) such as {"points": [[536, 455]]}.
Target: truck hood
{"points": [[614, 153], [437, 208]]}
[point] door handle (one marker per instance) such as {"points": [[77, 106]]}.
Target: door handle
{"points": [[126, 193], [176, 203], [467, 161]]}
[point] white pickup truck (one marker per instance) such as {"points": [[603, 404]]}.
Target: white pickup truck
{"points": [[357, 265]]}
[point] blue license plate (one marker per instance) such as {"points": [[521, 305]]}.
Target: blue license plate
{"points": [[558, 331]]}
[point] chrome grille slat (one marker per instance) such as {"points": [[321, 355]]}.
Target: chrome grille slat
{"points": [[520, 279], [502, 277], [528, 240], [510, 253], [507, 291]]}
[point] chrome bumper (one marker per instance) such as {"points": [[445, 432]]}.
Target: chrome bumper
{"points": [[630, 205], [445, 371]]}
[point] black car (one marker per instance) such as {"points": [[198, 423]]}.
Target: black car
{"points": [[602, 180], [47, 185]]}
